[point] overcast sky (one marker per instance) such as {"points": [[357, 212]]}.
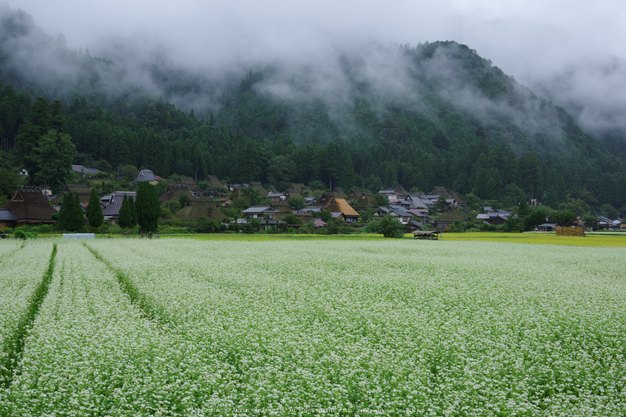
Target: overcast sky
{"points": [[533, 40], [522, 37]]}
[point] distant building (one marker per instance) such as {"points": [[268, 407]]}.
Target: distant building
{"points": [[340, 207], [147, 175], [79, 169], [82, 190], [447, 218], [112, 210], [30, 206], [7, 219]]}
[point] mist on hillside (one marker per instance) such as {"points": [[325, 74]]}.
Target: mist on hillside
{"points": [[310, 68]]}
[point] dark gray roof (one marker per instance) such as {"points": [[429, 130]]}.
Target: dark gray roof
{"points": [[395, 209], [260, 209], [84, 170], [6, 215], [547, 225], [416, 202], [113, 209], [415, 223], [146, 175], [401, 212], [314, 209]]}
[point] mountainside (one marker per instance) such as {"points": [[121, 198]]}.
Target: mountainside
{"points": [[372, 116]]}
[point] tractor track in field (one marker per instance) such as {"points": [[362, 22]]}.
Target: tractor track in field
{"points": [[14, 346], [137, 298]]}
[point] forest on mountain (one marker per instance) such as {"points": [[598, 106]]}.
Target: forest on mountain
{"points": [[436, 114]]}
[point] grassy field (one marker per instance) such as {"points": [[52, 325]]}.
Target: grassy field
{"points": [[606, 240], [292, 325]]}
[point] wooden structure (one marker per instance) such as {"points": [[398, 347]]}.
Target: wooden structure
{"points": [[198, 207], [175, 192], [82, 190], [30, 206], [7, 219], [426, 234]]}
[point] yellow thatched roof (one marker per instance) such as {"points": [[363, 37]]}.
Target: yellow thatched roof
{"points": [[342, 206]]}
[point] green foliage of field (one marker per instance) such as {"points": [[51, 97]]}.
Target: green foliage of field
{"points": [[303, 326], [608, 240], [598, 239]]}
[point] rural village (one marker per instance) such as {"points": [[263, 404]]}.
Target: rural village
{"points": [[252, 207]]}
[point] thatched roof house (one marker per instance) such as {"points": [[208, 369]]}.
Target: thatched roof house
{"points": [[29, 206], [293, 193], [174, 192], [214, 182], [258, 186], [340, 205], [186, 181], [448, 217], [338, 191], [299, 187], [82, 190], [284, 209], [361, 201], [200, 207]]}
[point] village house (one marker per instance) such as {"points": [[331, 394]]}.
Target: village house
{"points": [[79, 169], [397, 193], [448, 217], [361, 201], [147, 175], [259, 187], [266, 214], [547, 227], [7, 219], [311, 209], [294, 193], [186, 181], [112, 210], [452, 198], [82, 190], [396, 212], [175, 192], [30, 206], [493, 216], [341, 208], [261, 212], [198, 207], [276, 197], [415, 201]]}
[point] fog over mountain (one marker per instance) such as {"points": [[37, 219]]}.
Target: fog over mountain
{"points": [[567, 51]]}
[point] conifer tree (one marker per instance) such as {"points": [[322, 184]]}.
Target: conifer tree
{"points": [[125, 216], [133, 211], [65, 211], [147, 206], [78, 216], [94, 212]]}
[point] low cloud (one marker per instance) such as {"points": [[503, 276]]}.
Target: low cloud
{"points": [[570, 51]]}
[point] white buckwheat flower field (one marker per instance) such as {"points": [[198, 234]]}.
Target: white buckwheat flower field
{"points": [[181, 327]]}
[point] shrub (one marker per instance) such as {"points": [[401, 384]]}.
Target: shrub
{"points": [[20, 234], [391, 227], [206, 225]]}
